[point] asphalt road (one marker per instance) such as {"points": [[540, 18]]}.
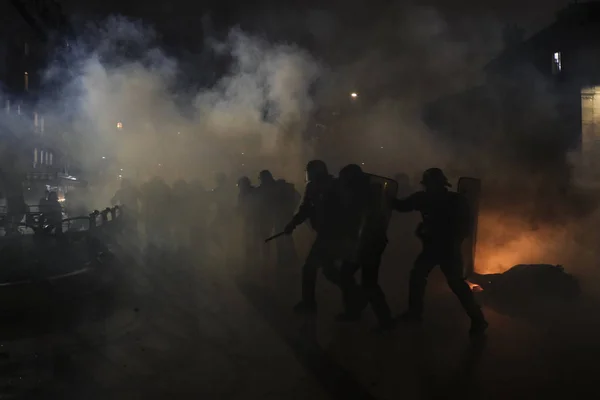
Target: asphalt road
{"points": [[188, 329]]}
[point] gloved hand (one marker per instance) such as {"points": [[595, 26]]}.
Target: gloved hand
{"points": [[289, 228]]}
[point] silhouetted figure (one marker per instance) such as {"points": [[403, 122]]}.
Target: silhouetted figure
{"points": [[248, 209], [199, 217], [313, 208], [362, 227], [290, 199], [128, 197], [446, 223], [278, 203], [223, 205], [156, 196], [43, 200], [75, 206], [53, 213]]}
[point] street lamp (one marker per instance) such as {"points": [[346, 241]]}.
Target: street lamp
{"points": [[354, 95]]}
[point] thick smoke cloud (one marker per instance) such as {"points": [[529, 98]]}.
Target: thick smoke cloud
{"points": [[533, 208], [398, 61], [133, 119]]}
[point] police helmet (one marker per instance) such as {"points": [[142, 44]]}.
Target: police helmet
{"points": [[316, 169], [435, 177], [351, 173], [265, 176]]}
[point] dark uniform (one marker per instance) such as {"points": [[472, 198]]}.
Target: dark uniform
{"points": [[156, 195], [445, 225], [129, 197], [313, 208], [278, 203], [53, 214], [248, 210], [198, 221], [358, 219], [223, 203]]}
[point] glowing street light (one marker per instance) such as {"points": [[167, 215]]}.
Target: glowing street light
{"points": [[119, 125], [354, 95], [103, 157]]}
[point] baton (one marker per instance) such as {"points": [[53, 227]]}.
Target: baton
{"points": [[267, 240]]}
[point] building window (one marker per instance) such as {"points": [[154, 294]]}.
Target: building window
{"points": [[41, 156], [41, 124], [47, 158], [35, 157], [557, 63], [26, 81], [51, 158], [36, 121]]}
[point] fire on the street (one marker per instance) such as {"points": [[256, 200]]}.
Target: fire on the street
{"points": [[503, 242]]}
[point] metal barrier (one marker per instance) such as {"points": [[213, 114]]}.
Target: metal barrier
{"points": [[109, 219]]}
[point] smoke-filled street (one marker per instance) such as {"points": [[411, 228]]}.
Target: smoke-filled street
{"points": [[333, 200], [192, 329]]}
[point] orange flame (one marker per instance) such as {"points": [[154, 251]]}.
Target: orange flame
{"points": [[505, 241]]}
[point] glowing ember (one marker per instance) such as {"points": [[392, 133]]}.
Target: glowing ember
{"points": [[475, 287]]}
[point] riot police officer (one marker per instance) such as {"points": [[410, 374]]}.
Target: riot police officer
{"points": [[360, 222], [248, 211], [278, 204], [314, 207], [445, 224]]}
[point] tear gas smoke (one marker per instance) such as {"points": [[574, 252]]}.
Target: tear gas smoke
{"points": [[255, 115], [506, 133], [251, 118]]}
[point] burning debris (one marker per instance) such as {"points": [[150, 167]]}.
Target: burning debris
{"points": [[526, 287]]}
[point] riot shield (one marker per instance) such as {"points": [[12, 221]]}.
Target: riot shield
{"points": [[374, 220], [385, 191], [471, 189]]}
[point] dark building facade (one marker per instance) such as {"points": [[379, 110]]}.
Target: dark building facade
{"points": [[31, 32], [543, 91]]}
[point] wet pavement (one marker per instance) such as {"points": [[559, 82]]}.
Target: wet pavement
{"points": [[179, 328]]}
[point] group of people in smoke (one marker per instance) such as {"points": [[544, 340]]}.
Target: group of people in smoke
{"points": [[186, 213], [351, 233], [342, 211]]}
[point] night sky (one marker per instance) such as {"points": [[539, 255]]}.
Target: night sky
{"points": [[179, 18], [409, 41]]}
